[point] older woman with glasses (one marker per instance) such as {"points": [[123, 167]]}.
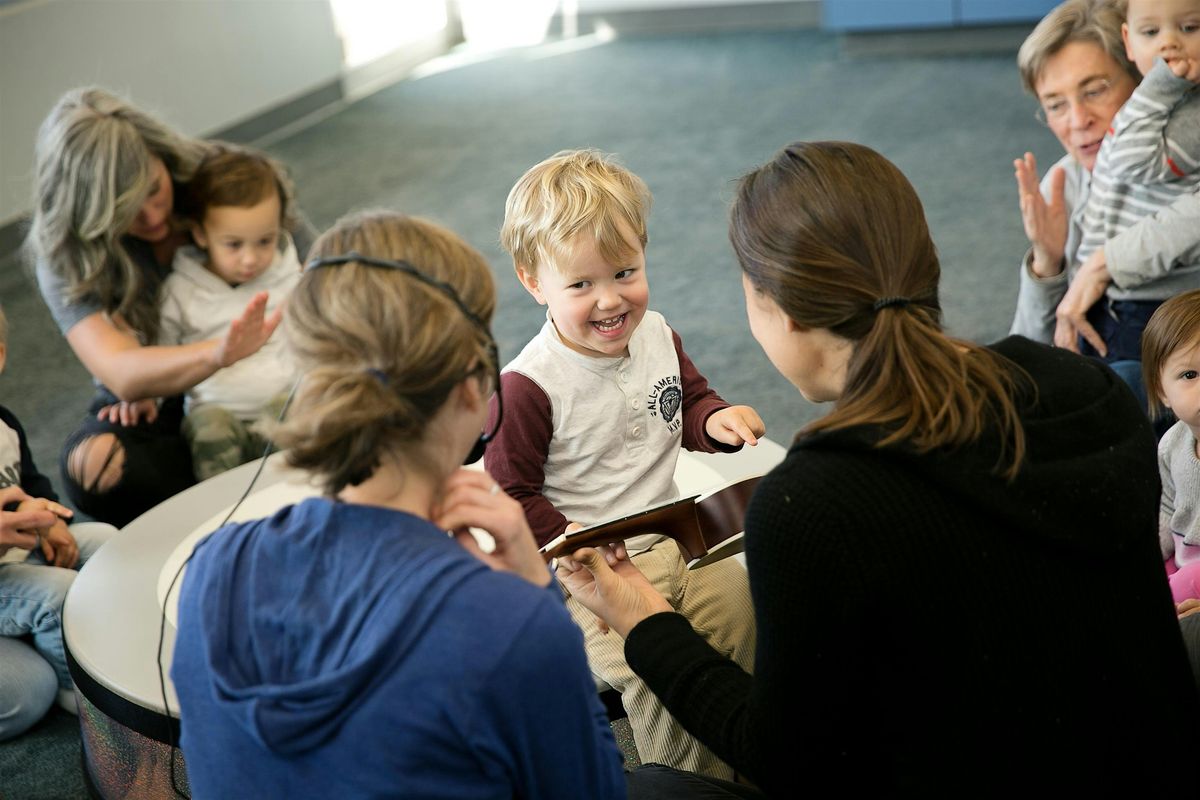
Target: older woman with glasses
{"points": [[1075, 63]]}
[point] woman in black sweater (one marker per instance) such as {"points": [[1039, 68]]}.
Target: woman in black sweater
{"points": [[955, 573]]}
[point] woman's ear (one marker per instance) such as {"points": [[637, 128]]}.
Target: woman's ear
{"points": [[473, 391]]}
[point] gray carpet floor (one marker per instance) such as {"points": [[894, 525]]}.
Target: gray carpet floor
{"points": [[689, 114]]}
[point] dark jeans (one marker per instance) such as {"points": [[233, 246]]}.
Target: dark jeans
{"points": [[656, 782], [158, 463], [1120, 324]]}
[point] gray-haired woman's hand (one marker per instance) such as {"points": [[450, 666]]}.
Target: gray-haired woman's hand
{"points": [[1045, 221], [248, 333]]}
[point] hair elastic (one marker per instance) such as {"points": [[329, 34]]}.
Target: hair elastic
{"points": [[378, 375], [890, 302]]}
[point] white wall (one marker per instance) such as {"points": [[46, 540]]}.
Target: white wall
{"points": [[202, 65]]}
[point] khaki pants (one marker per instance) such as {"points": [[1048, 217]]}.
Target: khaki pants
{"points": [[716, 600]]}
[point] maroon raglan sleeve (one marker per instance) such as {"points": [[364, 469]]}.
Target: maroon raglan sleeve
{"points": [[516, 458], [699, 403]]}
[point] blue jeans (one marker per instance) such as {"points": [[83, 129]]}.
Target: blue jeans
{"points": [[31, 601], [28, 686], [1120, 324]]}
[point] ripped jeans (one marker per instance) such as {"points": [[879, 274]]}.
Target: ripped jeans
{"points": [[115, 473]]}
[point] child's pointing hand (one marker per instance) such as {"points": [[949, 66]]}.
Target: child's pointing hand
{"points": [[735, 425]]}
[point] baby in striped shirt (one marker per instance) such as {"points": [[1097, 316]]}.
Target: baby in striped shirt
{"points": [[1149, 161]]}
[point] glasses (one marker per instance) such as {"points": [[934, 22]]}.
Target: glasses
{"points": [[1092, 96]]}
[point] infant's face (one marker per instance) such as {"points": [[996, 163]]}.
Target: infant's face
{"points": [[241, 242], [1180, 380], [1166, 29]]}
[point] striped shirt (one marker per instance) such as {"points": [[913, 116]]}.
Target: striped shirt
{"points": [[1148, 160]]}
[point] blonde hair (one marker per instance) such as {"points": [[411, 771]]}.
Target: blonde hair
{"points": [[571, 193], [93, 170], [380, 350], [1095, 21], [836, 236], [1173, 326], [242, 177]]}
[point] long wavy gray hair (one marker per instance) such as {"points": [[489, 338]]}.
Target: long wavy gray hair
{"points": [[93, 170]]}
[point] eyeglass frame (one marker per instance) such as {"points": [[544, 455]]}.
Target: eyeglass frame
{"points": [[1047, 117]]}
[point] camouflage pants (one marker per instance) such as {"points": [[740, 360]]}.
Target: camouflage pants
{"points": [[220, 441]]}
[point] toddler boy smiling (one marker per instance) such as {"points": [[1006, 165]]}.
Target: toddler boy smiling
{"points": [[598, 405]]}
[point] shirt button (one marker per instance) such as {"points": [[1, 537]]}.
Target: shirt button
{"points": [[637, 404], [637, 431], [624, 377]]}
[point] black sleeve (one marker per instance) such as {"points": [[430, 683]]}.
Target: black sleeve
{"points": [[33, 482], [795, 715]]}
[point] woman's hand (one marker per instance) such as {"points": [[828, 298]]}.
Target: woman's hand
{"points": [[1045, 222], [606, 582], [472, 499], [247, 333], [1085, 289], [130, 413]]}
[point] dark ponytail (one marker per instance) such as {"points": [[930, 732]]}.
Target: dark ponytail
{"points": [[835, 235]]}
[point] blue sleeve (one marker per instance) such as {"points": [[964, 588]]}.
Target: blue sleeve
{"points": [[542, 703]]}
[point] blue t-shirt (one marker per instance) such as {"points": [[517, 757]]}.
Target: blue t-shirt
{"points": [[350, 651]]}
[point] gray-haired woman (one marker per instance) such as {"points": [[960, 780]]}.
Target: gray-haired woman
{"points": [[106, 176], [1075, 64]]}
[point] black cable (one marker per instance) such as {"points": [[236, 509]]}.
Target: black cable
{"points": [[162, 628]]}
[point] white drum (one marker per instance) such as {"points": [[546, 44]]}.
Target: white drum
{"points": [[119, 604]]}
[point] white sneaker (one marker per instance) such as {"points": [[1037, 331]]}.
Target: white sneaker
{"points": [[66, 701]]}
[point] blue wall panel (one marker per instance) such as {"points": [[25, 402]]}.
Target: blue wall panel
{"points": [[973, 12], [866, 15], [876, 15]]}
